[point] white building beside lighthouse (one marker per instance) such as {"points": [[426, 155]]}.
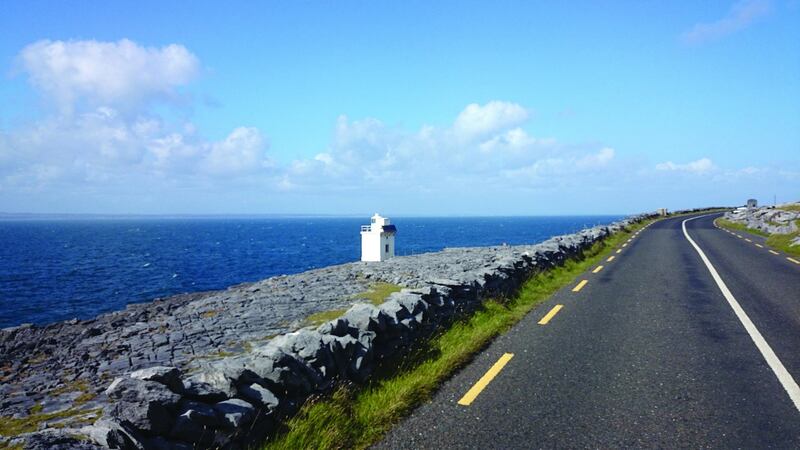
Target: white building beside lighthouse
{"points": [[377, 239]]}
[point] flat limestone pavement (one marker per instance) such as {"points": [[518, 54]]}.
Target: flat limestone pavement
{"points": [[648, 353]]}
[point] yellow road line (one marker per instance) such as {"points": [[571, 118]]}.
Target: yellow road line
{"points": [[793, 260], [774, 252], [469, 397], [610, 258], [625, 244], [598, 269], [580, 286], [550, 315], [619, 251], [759, 246]]}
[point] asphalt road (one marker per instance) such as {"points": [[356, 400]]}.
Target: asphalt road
{"points": [[649, 353]]}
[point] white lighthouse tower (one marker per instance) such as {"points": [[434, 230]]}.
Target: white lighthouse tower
{"points": [[377, 239]]}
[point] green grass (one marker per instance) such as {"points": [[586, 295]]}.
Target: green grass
{"points": [[378, 292], [740, 227], [792, 207], [357, 416], [13, 426], [71, 386], [319, 318], [376, 295], [782, 242], [777, 241], [209, 314]]}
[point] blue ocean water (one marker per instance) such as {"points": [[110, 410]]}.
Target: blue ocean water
{"points": [[53, 270]]}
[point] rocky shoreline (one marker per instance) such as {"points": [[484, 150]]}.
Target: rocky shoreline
{"points": [[219, 369]]}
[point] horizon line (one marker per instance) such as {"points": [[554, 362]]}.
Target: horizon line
{"points": [[12, 215]]}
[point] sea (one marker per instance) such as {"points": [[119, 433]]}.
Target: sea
{"points": [[64, 268]]}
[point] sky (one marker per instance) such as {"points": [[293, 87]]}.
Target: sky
{"points": [[406, 108]]}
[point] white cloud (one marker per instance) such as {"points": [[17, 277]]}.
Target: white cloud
{"points": [[741, 15], [600, 159], [514, 140], [368, 154], [700, 166], [119, 74], [476, 120], [102, 146], [241, 152], [103, 131], [566, 168]]}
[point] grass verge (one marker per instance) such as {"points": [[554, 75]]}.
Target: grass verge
{"points": [[783, 243], [357, 416], [740, 227], [780, 242], [790, 207]]}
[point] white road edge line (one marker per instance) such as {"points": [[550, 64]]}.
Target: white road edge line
{"points": [[774, 363]]}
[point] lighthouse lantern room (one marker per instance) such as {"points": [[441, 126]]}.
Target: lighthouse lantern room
{"points": [[377, 239]]}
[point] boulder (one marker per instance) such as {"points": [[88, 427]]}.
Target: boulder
{"points": [[144, 405], [235, 413], [59, 439], [360, 366], [199, 412], [336, 327], [134, 390], [224, 375], [111, 434], [308, 346], [168, 376], [283, 373], [394, 312], [186, 429], [342, 349], [260, 396], [196, 389], [365, 317]]}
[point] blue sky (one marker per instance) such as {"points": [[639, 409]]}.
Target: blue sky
{"points": [[431, 108]]}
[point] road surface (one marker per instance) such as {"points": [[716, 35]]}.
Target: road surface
{"points": [[649, 352]]}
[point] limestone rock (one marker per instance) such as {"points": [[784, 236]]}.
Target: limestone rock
{"points": [[110, 434], [235, 413], [260, 396], [144, 405], [168, 376]]}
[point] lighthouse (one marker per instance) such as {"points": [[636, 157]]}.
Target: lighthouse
{"points": [[377, 239]]}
